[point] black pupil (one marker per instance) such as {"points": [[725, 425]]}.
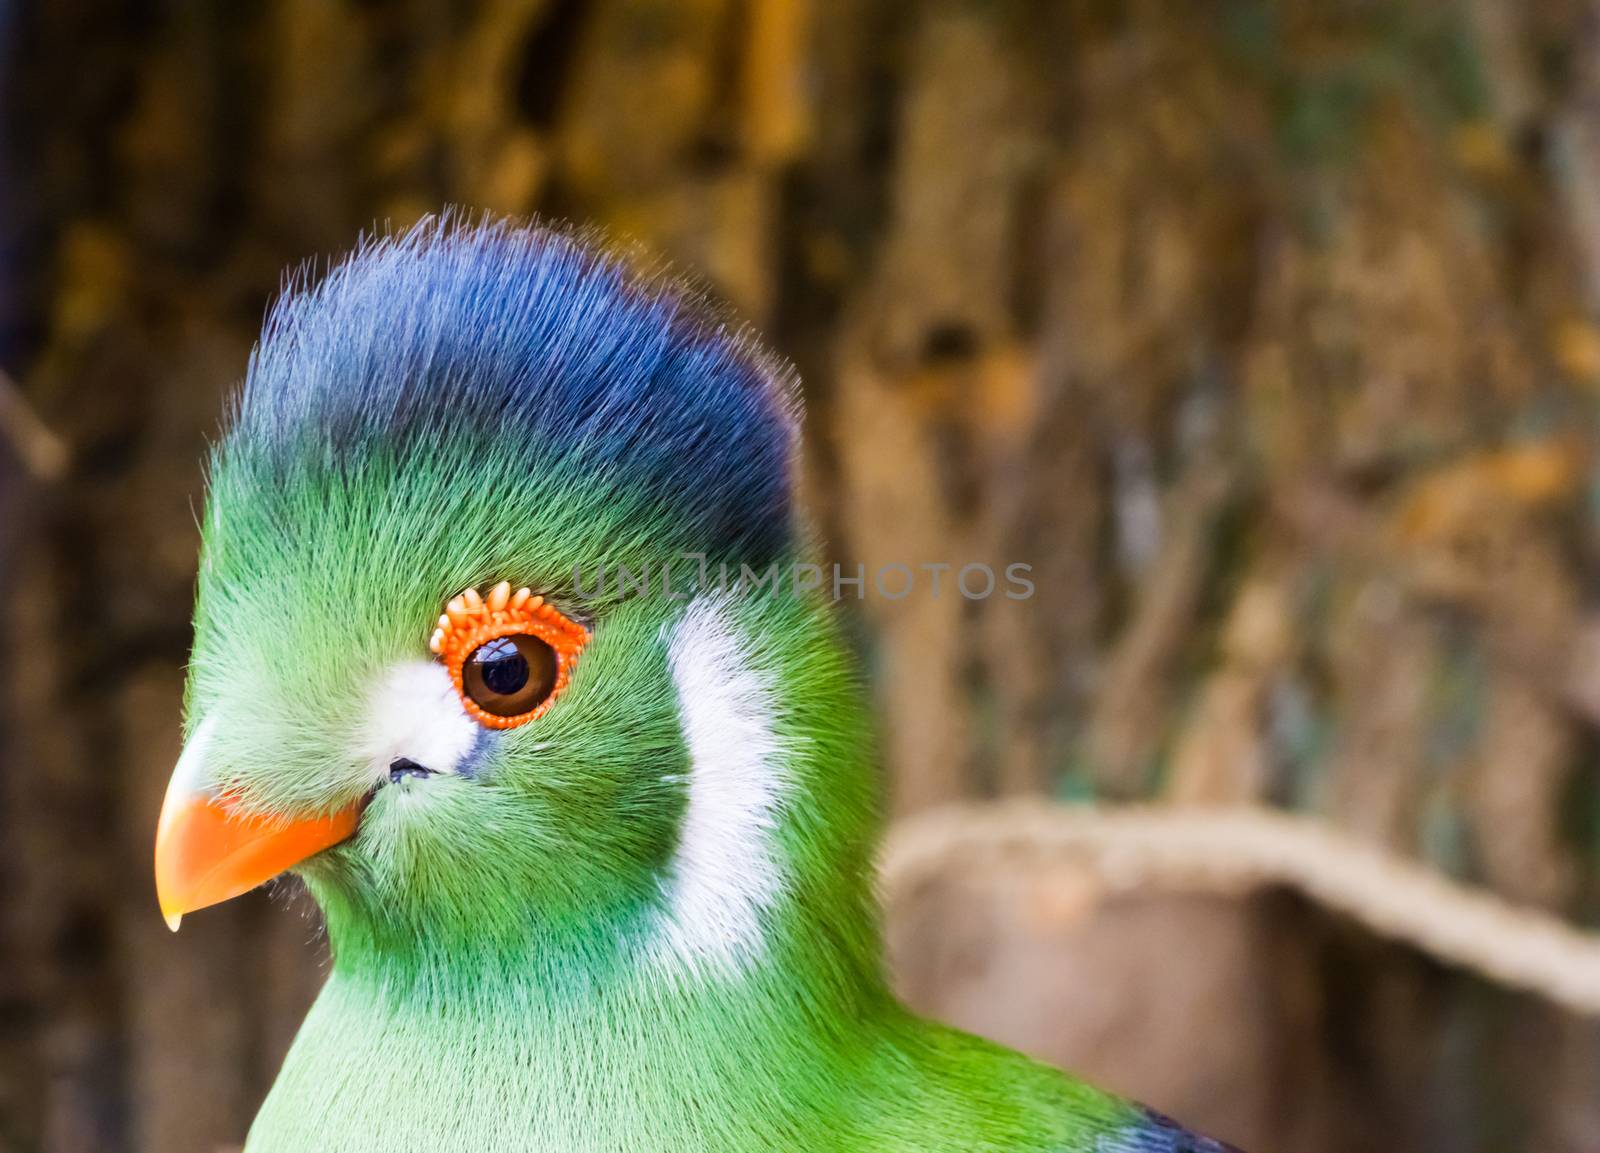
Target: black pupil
{"points": [[503, 667]]}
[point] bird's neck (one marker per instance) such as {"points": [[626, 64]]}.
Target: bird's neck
{"points": [[588, 1041], [820, 940]]}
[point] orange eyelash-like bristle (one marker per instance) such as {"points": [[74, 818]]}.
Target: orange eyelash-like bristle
{"points": [[472, 619]]}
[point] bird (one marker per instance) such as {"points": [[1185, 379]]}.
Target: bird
{"points": [[496, 648]]}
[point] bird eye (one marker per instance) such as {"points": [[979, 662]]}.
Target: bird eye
{"points": [[509, 654], [510, 675]]}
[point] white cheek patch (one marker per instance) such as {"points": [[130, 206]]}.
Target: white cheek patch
{"points": [[724, 874], [414, 713]]}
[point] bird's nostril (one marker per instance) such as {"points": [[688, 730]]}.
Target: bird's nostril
{"points": [[402, 767]]}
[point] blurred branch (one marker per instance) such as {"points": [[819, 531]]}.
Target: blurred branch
{"points": [[42, 452], [1575, 170], [1126, 729], [1234, 850]]}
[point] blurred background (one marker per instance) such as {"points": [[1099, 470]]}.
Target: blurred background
{"points": [[1264, 330]]}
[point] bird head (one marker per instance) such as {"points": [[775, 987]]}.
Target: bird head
{"points": [[494, 632]]}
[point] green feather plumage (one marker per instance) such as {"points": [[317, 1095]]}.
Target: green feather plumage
{"points": [[497, 981]]}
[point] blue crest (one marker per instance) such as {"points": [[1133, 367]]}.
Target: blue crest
{"points": [[539, 344]]}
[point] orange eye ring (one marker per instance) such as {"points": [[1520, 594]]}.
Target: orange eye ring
{"points": [[471, 620]]}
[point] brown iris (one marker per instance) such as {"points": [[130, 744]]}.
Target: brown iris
{"points": [[510, 675]]}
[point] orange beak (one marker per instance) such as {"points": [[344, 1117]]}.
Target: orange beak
{"points": [[207, 851]]}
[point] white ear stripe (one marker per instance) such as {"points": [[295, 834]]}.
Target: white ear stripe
{"points": [[724, 874]]}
